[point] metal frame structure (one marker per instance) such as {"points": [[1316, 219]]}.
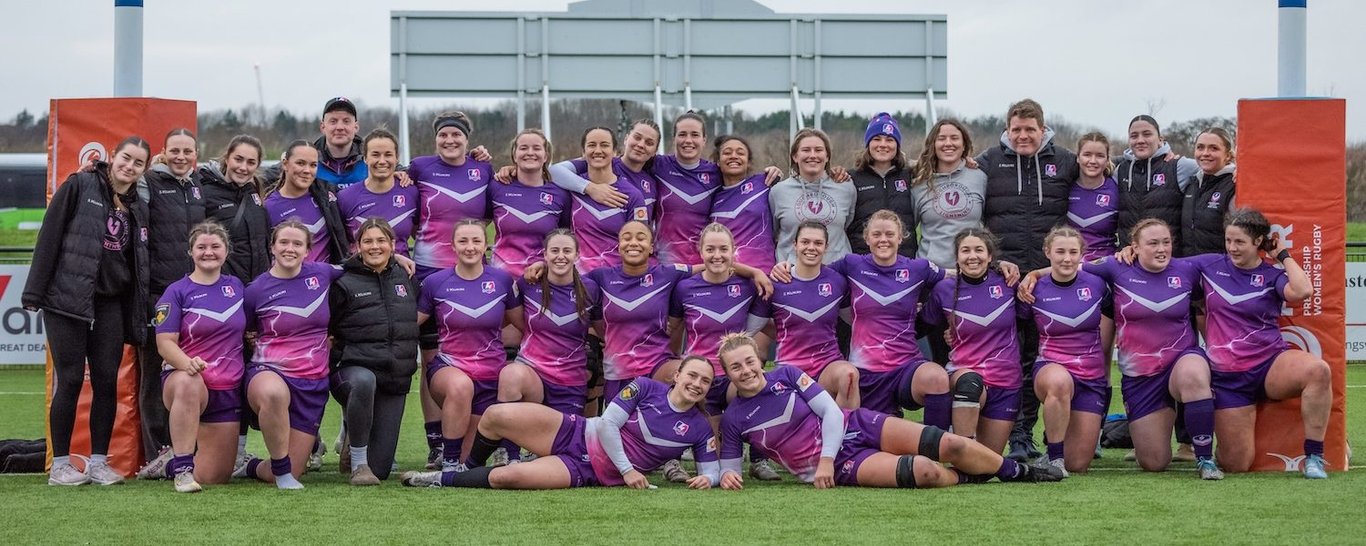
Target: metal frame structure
{"points": [[698, 54]]}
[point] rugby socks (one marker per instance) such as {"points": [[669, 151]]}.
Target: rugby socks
{"points": [[1200, 425], [1054, 450], [450, 451], [474, 477], [283, 478], [1009, 470], [1311, 447], [359, 456], [180, 463], [939, 410], [433, 434], [514, 451], [483, 449], [253, 466]]}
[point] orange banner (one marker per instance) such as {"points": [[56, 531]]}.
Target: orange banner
{"points": [[1292, 166], [78, 131]]}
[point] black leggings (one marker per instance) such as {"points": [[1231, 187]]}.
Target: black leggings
{"points": [[72, 342], [1029, 402], [372, 418], [152, 412]]}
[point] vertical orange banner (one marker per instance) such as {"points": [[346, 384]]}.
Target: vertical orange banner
{"points": [[1292, 166], [80, 130]]}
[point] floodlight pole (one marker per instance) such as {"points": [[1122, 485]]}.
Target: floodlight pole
{"points": [[404, 147], [931, 117], [127, 48], [545, 110], [795, 119]]}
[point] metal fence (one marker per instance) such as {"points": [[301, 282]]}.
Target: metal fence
{"points": [[1356, 251]]}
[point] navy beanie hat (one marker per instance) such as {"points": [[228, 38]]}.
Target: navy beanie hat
{"points": [[882, 124]]}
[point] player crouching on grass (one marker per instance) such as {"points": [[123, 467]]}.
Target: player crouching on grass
{"points": [[789, 417]]}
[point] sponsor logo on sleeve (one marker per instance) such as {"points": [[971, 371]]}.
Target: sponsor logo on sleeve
{"points": [[163, 310], [804, 381]]}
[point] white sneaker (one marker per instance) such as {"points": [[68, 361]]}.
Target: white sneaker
{"points": [[239, 467], [315, 459], [67, 475], [184, 483], [421, 479], [1060, 465], [101, 474], [498, 458], [674, 472], [457, 467], [155, 469]]}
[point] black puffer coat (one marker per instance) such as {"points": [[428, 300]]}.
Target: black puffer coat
{"points": [[374, 323]]}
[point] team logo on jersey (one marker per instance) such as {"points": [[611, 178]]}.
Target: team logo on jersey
{"points": [[401, 290], [900, 185], [823, 289], [995, 292], [311, 283], [648, 280], [711, 444], [748, 187], [1174, 282], [778, 388], [256, 198], [547, 199], [903, 275], [733, 290], [1102, 200], [706, 178], [1258, 280], [142, 233], [804, 381], [474, 175], [680, 428], [1159, 179], [1214, 200], [400, 200], [641, 214], [1050, 170], [486, 287], [630, 391], [194, 190], [163, 310], [1084, 294], [645, 186], [229, 292], [848, 467]]}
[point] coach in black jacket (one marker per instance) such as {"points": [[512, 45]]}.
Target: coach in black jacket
{"points": [[374, 349], [1029, 179]]}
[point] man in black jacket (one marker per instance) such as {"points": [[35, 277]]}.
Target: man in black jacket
{"points": [[1028, 182]]}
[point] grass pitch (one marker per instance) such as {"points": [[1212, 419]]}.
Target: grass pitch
{"points": [[1115, 503]]}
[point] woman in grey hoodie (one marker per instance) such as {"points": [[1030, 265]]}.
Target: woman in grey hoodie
{"points": [[812, 195], [948, 199]]}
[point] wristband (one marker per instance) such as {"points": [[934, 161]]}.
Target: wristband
{"points": [[1283, 255]]}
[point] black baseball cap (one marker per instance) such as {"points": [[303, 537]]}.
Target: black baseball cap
{"points": [[339, 103]]}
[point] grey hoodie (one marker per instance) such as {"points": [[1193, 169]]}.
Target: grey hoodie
{"points": [[794, 201], [946, 204]]}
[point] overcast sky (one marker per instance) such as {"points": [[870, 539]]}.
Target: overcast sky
{"points": [[1097, 62]]}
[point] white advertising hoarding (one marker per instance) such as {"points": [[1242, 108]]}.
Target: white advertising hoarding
{"points": [[21, 333]]}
